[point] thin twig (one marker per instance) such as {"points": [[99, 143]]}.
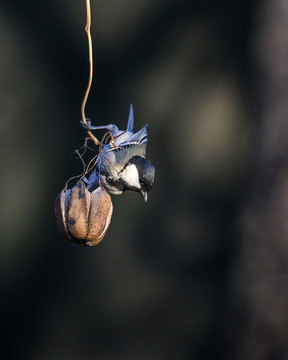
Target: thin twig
{"points": [[87, 29]]}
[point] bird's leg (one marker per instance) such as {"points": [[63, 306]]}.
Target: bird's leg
{"points": [[87, 126]]}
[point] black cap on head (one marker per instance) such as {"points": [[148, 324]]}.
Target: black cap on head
{"points": [[146, 171]]}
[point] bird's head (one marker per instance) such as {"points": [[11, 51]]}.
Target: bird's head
{"points": [[138, 175]]}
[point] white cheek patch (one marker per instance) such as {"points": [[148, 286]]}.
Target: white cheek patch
{"points": [[130, 175]]}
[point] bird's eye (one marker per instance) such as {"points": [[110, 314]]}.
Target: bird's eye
{"points": [[141, 180], [109, 179]]}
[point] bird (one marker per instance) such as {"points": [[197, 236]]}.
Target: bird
{"points": [[121, 165]]}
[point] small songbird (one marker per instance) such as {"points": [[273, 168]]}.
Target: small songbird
{"points": [[121, 165]]}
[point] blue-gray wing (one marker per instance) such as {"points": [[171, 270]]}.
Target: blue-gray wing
{"points": [[126, 151], [135, 145], [114, 159]]}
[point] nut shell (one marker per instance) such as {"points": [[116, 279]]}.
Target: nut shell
{"points": [[100, 215], [82, 216]]}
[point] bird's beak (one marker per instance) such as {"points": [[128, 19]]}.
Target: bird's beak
{"points": [[144, 195]]}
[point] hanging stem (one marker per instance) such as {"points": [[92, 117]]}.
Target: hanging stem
{"points": [[87, 29]]}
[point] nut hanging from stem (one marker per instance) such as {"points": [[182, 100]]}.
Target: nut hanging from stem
{"points": [[87, 29]]}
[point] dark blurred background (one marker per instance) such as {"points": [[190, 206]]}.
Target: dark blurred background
{"points": [[201, 270]]}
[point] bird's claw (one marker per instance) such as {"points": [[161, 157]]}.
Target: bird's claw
{"points": [[86, 125]]}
